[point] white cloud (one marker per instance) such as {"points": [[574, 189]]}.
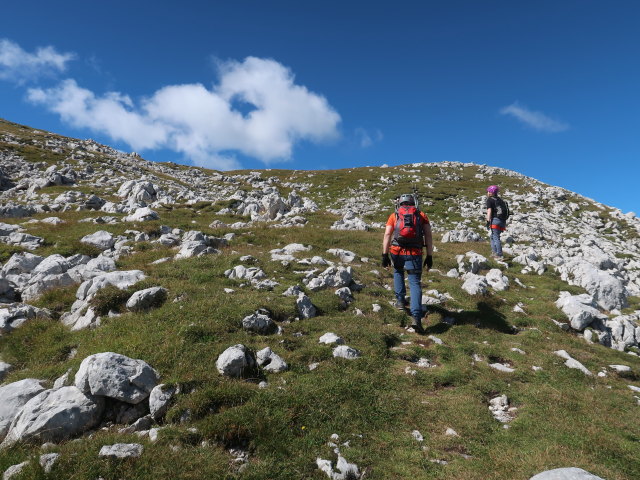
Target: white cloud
{"points": [[536, 120], [204, 124], [366, 139], [18, 65]]}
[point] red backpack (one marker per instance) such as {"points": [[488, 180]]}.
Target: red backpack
{"points": [[409, 232]]}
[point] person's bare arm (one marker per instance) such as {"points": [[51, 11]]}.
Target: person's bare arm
{"points": [[386, 240], [488, 214], [428, 239]]}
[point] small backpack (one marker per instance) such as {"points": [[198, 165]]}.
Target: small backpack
{"points": [[409, 232], [502, 209]]}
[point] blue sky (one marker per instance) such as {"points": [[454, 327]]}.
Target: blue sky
{"points": [[546, 88]]}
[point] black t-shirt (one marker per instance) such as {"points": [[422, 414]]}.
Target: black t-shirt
{"points": [[498, 207]]}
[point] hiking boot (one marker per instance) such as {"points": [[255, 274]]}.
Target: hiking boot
{"points": [[400, 305], [417, 327]]}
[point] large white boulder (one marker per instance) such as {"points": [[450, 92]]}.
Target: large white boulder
{"points": [[607, 290], [116, 376], [579, 309], [54, 415], [13, 397], [19, 263]]}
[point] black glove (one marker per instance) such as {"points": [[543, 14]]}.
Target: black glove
{"points": [[428, 262], [386, 261], [488, 224]]}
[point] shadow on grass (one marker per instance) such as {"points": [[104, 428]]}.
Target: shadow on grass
{"points": [[485, 316]]}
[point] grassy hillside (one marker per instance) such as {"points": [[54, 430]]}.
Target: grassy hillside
{"points": [[373, 403]]}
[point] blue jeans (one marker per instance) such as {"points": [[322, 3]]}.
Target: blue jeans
{"points": [[496, 245], [413, 265]]}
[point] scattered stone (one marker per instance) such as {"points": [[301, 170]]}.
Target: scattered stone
{"points": [[502, 367], [306, 309], [417, 436], [499, 407], [48, 460], [147, 298], [571, 362], [270, 361], [343, 469], [620, 368], [475, 284], [451, 433], [121, 450], [101, 239], [497, 280], [259, 322], [235, 361], [14, 470], [160, 400], [4, 370], [330, 338], [344, 351]]}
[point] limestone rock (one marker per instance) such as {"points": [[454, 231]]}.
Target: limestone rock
{"points": [[259, 322], [475, 284], [571, 473], [235, 361], [579, 309], [306, 309], [147, 298], [119, 279], [270, 361], [144, 214], [100, 239], [54, 415], [13, 397], [121, 450], [48, 460], [160, 399], [116, 376], [14, 470], [497, 280], [571, 362], [344, 351], [330, 337]]}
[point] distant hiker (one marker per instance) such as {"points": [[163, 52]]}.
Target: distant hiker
{"points": [[497, 215], [407, 232]]}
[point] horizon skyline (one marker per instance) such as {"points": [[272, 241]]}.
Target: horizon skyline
{"points": [[545, 90]]}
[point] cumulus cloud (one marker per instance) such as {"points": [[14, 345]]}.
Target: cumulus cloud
{"points": [[206, 125], [536, 120], [366, 139], [18, 65]]}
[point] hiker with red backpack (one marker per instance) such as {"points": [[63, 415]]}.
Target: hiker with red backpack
{"points": [[497, 215], [407, 232]]}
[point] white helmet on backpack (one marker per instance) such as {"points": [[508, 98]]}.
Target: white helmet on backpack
{"points": [[407, 198]]}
